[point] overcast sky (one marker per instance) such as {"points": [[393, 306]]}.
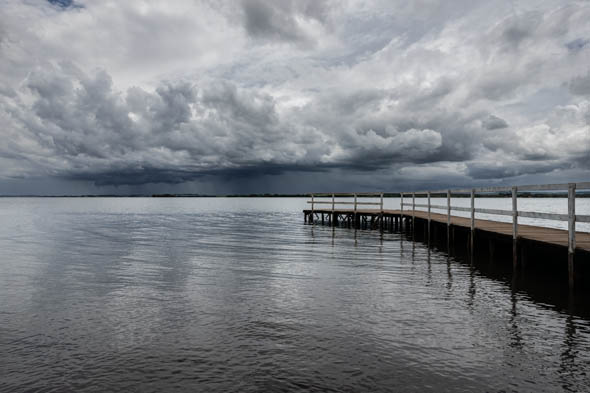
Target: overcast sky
{"points": [[291, 96]]}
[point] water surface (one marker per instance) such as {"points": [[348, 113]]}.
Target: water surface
{"points": [[238, 295]]}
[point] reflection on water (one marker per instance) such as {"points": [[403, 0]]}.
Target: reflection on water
{"points": [[240, 295]]}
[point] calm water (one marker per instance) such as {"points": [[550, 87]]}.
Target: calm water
{"points": [[239, 295]]}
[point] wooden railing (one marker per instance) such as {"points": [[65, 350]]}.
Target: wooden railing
{"points": [[571, 217], [356, 203]]}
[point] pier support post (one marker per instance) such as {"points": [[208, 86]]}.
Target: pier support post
{"points": [[381, 213], [428, 217], [571, 229], [448, 220], [356, 216], [523, 256], [514, 227], [472, 226], [334, 218], [452, 240], [413, 214], [312, 212], [401, 217]]}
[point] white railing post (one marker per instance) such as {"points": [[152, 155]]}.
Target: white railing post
{"points": [[472, 209], [333, 218], [401, 216], [413, 211], [357, 221], [381, 212], [428, 216], [472, 226], [311, 217], [514, 226], [571, 229], [472, 220], [448, 220]]}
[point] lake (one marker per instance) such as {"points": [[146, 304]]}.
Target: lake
{"points": [[239, 295]]}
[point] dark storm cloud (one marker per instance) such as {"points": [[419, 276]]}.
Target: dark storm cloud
{"points": [[494, 122], [512, 169], [577, 44], [61, 3], [181, 131], [176, 175], [65, 4], [580, 85], [279, 20]]}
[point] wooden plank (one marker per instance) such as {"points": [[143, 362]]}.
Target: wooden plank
{"points": [[554, 236]]}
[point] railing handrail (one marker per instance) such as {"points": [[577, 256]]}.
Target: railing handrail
{"points": [[354, 195], [571, 217], [500, 212], [528, 187], [346, 194]]}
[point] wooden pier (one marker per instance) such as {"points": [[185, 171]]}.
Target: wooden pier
{"points": [[353, 210]]}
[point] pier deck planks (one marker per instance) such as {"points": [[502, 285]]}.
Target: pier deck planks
{"points": [[541, 234]]}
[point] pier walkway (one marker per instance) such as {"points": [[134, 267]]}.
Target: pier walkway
{"points": [[558, 237], [410, 215]]}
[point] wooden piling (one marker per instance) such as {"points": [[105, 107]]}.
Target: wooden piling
{"points": [[448, 220], [312, 210], [472, 224], [401, 208], [381, 213], [571, 228], [413, 213], [428, 236], [514, 227]]}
